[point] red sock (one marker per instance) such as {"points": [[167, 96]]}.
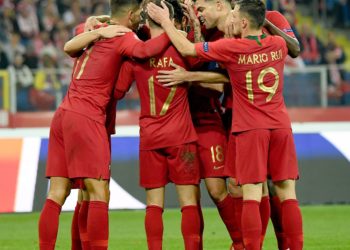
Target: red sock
{"points": [[251, 224], [154, 227], [201, 225], [276, 217], [227, 213], [82, 222], [292, 224], [48, 224], [190, 227], [97, 225], [76, 244], [238, 243], [265, 216]]}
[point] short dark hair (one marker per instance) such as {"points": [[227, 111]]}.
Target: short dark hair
{"points": [[145, 16], [119, 6], [255, 11], [178, 11]]}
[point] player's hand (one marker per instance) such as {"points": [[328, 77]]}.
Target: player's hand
{"points": [[229, 28], [113, 31], [174, 77], [91, 22], [158, 14], [189, 12]]}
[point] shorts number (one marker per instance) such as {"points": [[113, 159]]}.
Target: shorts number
{"points": [[83, 64], [152, 98], [217, 154], [271, 90]]}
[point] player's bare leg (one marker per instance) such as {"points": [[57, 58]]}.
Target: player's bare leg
{"points": [[236, 192], [153, 219], [291, 215], [217, 189], [251, 220], [191, 221], [97, 222], [49, 217], [75, 235]]}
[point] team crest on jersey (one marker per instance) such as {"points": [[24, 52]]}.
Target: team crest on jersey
{"points": [[188, 156]]}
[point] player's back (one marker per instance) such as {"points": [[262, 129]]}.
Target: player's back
{"points": [[165, 118], [257, 76], [93, 78]]}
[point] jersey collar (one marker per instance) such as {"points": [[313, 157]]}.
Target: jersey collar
{"points": [[257, 38]]}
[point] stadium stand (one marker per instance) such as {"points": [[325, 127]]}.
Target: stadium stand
{"points": [[34, 32]]}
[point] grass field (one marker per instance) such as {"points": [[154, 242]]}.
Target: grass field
{"points": [[325, 228]]}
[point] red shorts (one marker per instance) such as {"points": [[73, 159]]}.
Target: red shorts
{"points": [[265, 151], [230, 161], [211, 146], [178, 164], [78, 148]]}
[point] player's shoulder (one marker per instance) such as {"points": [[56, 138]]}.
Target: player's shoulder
{"points": [[127, 37], [276, 39], [274, 15]]}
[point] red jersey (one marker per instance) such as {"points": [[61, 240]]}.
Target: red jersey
{"points": [[165, 118], [280, 22], [205, 105], [255, 66], [96, 71]]}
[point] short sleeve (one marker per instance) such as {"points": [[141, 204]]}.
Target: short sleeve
{"points": [[219, 51], [280, 22]]}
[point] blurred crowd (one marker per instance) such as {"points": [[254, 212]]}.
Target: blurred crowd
{"points": [[33, 33], [338, 10]]}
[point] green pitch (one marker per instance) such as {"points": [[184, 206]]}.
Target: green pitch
{"points": [[325, 228]]}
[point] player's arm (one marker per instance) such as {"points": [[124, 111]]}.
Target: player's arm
{"points": [[192, 17], [161, 16], [292, 43], [125, 80], [78, 43], [180, 75], [135, 48], [219, 87]]}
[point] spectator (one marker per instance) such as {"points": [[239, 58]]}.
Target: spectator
{"points": [[4, 61], [50, 15], [310, 46], [31, 57], [342, 18], [287, 6], [47, 84], [27, 20], [8, 22], [21, 79], [41, 41], [13, 47], [335, 57], [73, 15]]}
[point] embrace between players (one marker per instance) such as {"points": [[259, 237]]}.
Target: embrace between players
{"points": [[184, 134]]}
